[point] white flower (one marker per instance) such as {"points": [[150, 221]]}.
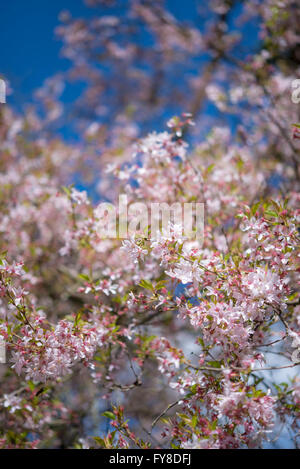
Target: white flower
{"points": [[79, 197], [12, 401]]}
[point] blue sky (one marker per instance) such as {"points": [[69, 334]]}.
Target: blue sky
{"points": [[30, 50]]}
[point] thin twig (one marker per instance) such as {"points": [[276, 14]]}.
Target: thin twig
{"points": [[173, 404]]}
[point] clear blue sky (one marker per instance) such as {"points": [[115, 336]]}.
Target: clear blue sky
{"points": [[30, 50]]}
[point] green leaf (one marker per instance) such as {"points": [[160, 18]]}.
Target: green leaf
{"points": [[99, 440], [271, 213], [254, 208], [214, 364], [84, 277], [146, 284], [66, 190], [210, 168], [109, 415], [213, 425]]}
